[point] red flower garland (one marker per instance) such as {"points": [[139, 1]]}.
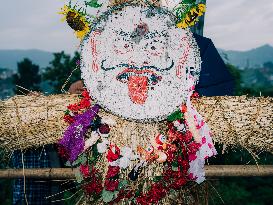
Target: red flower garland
{"points": [[84, 103], [94, 186]]}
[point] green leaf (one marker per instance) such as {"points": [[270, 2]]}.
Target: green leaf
{"points": [[107, 196], [67, 112], [122, 184], [175, 116], [115, 194], [188, 1], [95, 154], [138, 192], [157, 178], [82, 159], [175, 166], [93, 3], [68, 164], [78, 175]]}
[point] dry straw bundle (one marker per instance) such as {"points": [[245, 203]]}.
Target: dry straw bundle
{"points": [[32, 121]]}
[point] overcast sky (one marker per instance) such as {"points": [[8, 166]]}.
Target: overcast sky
{"points": [[231, 24]]}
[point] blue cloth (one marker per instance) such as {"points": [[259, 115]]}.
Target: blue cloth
{"points": [[215, 79], [36, 191]]}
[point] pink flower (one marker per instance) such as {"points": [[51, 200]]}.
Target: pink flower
{"points": [[192, 157], [191, 177], [204, 140]]}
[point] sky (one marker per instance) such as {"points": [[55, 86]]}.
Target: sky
{"points": [[36, 24]]}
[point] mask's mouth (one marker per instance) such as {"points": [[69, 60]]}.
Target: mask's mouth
{"points": [[138, 82]]}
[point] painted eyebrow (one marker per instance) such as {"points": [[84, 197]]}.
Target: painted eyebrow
{"points": [[149, 35]]}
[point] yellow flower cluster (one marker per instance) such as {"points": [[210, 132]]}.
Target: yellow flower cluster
{"points": [[76, 21], [192, 16]]}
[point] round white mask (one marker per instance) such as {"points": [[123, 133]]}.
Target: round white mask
{"points": [[138, 65]]}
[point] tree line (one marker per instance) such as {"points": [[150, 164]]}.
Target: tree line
{"points": [[52, 78], [29, 76]]}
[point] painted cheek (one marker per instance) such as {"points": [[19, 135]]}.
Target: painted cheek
{"points": [[93, 45]]}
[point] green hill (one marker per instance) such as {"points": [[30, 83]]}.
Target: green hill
{"points": [[253, 58], [9, 58]]}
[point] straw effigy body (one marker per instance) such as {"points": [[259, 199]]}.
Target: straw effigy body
{"points": [[32, 121]]}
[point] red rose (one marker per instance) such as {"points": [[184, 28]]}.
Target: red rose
{"points": [[179, 183], [193, 147], [112, 171], [84, 103], [85, 94], [185, 164], [183, 108], [85, 170], [113, 153], [187, 137], [142, 200], [73, 108], [192, 157], [94, 187], [111, 185], [170, 155], [195, 95], [69, 119], [172, 135]]}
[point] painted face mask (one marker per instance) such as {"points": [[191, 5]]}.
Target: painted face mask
{"points": [[137, 64]]}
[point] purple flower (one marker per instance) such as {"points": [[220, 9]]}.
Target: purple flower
{"points": [[78, 62], [73, 138]]}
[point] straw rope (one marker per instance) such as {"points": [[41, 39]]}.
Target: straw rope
{"points": [[33, 121]]}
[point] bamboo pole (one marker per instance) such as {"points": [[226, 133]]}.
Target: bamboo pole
{"points": [[211, 171]]}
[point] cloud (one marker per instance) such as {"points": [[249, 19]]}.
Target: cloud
{"points": [[231, 24], [239, 24], [35, 24]]}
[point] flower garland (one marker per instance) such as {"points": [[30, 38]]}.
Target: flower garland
{"points": [[177, 153], [189, 17]]}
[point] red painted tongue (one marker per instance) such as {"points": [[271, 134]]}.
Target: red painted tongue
{"points": [[138, 89]]}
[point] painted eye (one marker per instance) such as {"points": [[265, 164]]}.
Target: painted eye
{"points": [[150, 149], [153, 47], [126, 45]]}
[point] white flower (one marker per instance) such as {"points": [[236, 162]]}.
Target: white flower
{"points": [[92, 140], [127, 155], [109, 121], [170, 4], [102, 147], [115, 163], [124, 162]]}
